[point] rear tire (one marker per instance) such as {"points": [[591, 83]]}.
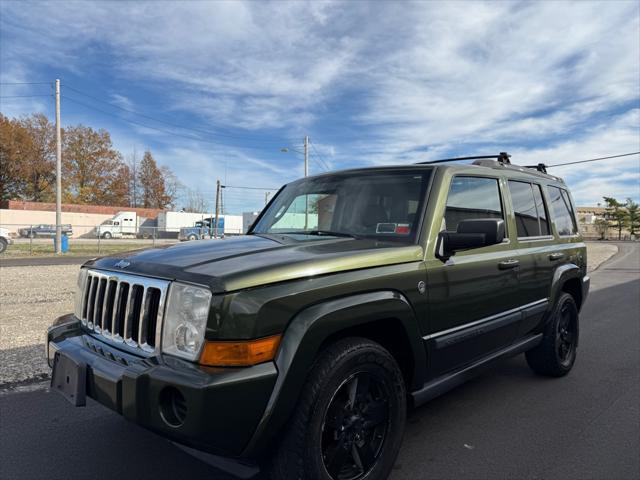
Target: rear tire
{"points": [[350, 418], [556, 355]]}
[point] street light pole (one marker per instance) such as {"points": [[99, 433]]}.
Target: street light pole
{"points": [[58, 173]]}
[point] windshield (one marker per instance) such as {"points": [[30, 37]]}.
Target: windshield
{"points": [[380, 205]]}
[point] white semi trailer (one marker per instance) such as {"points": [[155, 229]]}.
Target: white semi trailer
{"points": [[122, 224]]}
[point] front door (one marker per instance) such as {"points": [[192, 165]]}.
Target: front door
{"points": [[473, 297]]}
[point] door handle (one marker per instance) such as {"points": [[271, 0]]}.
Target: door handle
{"points": [[556, 256], [506, 264]]}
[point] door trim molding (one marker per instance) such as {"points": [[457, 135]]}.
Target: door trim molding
{"points": [[485, 319]]}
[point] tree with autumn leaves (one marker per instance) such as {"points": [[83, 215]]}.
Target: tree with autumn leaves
{"points": [[93, 171]]}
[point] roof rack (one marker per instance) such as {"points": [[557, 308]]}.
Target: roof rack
{"points": [[502, 157], [541, 167]]}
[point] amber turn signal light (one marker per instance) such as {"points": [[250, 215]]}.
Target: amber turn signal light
{"points": [[239, 353]]}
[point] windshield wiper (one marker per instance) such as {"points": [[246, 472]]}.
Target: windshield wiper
{"points": [[320, 233]]}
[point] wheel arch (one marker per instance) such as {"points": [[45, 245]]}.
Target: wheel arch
{"points": [[567, 279], [383, 316]]}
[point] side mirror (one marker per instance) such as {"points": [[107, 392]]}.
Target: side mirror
{"points": [[472, 233]]}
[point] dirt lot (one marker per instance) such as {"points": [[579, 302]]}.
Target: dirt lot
{"points": [[31, 297]]}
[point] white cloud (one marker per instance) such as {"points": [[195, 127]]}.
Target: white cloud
{"points": [[412, 81]]}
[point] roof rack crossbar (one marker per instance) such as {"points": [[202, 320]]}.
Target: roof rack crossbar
{"points": [[502, 157]]}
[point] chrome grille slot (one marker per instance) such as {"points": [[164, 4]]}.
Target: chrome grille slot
{"points": [[124, 309]]}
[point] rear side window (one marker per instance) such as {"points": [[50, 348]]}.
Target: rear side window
{"points": [[528, 206], [471, 198], [562, 211]]}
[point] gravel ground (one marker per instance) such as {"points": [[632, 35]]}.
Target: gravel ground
{"points": [[31, 297]]}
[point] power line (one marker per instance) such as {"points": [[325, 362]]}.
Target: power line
{"points": [[24, 96], [26, 83], [319, 157], [593, 159], [155, 119], [169, 132], [248, 188]]}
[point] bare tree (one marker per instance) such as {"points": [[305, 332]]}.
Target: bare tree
{"points": [[195, 201]]}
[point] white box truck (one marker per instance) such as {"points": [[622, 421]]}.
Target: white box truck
{"points": [[174, 221]]}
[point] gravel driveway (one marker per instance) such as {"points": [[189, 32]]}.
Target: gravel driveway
{"points": [[31, 297]]}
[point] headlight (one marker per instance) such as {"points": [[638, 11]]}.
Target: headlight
{"points": [[185, 320], [80, 288]]}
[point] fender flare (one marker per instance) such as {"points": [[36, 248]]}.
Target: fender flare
{"points": [[563, 273], [303, 339]]}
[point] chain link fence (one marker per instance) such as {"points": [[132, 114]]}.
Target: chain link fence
{"points": [[23, 240]]}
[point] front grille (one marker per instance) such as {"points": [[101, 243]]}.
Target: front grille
{"points": [[125, 309]]}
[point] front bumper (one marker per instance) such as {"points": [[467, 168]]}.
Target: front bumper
{"points": [[223, 405]]}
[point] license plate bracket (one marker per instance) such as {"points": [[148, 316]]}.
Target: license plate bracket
{"points": [[69, 378]]}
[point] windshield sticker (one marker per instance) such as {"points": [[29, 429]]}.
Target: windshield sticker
{"points": [[386, 228], [403, 228]]}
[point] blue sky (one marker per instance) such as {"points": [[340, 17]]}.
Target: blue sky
{"points": [[370, 83]]}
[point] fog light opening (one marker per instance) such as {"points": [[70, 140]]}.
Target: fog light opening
{"points": [[173, 407]]}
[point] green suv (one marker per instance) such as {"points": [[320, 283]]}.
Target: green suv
{"points": [[354, 296]]}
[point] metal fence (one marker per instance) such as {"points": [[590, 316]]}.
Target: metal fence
{"points": [[18, 240]]}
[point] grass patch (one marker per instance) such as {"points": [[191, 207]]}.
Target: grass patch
{"points": [[20, 250]]}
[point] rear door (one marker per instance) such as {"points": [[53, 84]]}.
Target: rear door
{"points": [[473, 301], [537, 247]]}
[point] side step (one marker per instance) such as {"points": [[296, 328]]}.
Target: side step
{"points": [[444, 383]]}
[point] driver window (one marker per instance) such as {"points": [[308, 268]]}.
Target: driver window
{"points": [[472, 198]]}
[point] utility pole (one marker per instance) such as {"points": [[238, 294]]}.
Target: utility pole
{"points": [[306, 174], [217, 207], [58, 173], [306, 155]]}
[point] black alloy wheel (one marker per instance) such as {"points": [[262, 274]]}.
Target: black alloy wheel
{"points": [[355, 427], [350, 417], [566, 335], [557, 352]]}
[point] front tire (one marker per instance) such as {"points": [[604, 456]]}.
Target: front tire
{"points": [[107, 235], [3, 245], [350, 419], [556, 355]]}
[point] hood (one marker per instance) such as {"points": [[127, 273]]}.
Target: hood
{"points": [[248, 261]]}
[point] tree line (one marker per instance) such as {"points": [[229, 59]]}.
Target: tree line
{"points": [[618, 216], [93, 171]]}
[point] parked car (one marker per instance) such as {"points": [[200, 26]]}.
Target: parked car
{"points": [[300, 348], [43, 230], [5, 239]]}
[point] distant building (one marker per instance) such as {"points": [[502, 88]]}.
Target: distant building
{"points": [[587, 217]]}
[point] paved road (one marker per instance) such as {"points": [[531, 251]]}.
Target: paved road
{"points": [[505, 424]]}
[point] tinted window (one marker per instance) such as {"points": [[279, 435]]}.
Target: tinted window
{"points": [[562, 211], [529, 209], [472, 197], [542, 211]]}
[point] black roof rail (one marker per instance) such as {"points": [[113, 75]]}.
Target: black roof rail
{"points": [[541, 167], [502, 157]]}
